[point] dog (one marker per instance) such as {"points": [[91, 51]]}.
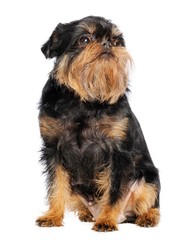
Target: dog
{"points": [[96, 158]]}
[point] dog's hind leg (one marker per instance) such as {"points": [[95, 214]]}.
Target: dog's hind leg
{"points": [[144, 205]]}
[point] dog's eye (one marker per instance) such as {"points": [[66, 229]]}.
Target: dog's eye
{"points": [[84, 40], [116, 43]]}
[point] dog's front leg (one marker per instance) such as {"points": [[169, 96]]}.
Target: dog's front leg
{"points": [[106, 216], [58, 195], [107, 220]]}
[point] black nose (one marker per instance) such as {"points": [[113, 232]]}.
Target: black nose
{"points": [[106, 43]]}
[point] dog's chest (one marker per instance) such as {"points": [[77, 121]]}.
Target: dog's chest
{"points": [[84, 138], [93, 130], [84, 146]]}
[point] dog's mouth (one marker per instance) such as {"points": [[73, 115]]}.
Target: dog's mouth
{"points": [[107, 54], [96, 74]]}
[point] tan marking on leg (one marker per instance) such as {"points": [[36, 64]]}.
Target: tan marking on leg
{"points": [[141, 203], [106, 216], [143, 198], [149, 219], [107, 219], [59, 195]]}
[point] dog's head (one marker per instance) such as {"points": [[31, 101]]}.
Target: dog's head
{"points": [[91, 58]]}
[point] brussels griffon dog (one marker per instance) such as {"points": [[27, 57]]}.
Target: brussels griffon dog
{"points": [[95, 155]]}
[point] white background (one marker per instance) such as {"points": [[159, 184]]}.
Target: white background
{"points": [[150, 29]]}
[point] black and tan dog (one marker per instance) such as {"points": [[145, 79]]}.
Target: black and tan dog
{"points": [[96, 158]]}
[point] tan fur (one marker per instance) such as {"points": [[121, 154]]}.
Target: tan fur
{"points": [[107, 219], [107, 215], [59, 192], [94, 76], [103, 182], [143, 198], [149, 219], [50, 127], [113, 127], [140, 202]]}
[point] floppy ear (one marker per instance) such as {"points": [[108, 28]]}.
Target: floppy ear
{"points": [[45, 49], [55, 45]]}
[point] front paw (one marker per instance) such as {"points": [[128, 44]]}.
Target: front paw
{"points": [[86, 217], [48, 221], [105, 226]]}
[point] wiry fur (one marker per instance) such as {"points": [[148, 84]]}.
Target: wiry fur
{"points": [[90, 75], [96, 158]]}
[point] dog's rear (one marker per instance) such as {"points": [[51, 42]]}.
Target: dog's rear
{"points": [[96, 158]]}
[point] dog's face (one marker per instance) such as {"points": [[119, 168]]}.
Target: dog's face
{"points": [[91, 58]]}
